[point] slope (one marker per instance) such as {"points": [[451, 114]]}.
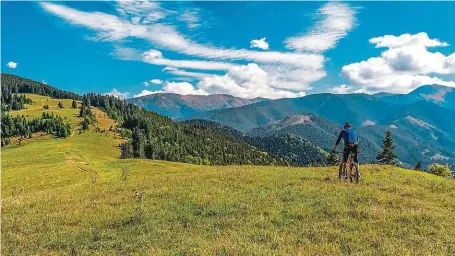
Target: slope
{"points": [[178, 106], [147, 134], [441, 95], [357, 108], [319, 131], [75, 196], [293, 150]]}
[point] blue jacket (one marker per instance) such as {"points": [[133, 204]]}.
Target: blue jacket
{"points": [[349, 136]]}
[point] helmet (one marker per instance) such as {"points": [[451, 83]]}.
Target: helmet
{"points": [[347, 125]]}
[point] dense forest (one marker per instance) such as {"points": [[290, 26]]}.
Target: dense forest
{"points": [[154, 136], [20, 127], [291, 149], [12, 101], [15, 84]]}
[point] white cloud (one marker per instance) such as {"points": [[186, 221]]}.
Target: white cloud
{"points": [[287, 74], [156, 81], [183, 88], [190, 17], [420, 39], [116, 93], [155, 57], [145, 83], [113, 28], [405, 65], [184, 73], [11, 64], [342, 89], [336, 20], [259, 43], [248, 81]]}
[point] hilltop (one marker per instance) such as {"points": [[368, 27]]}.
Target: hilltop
{"points": [[75, 195]]}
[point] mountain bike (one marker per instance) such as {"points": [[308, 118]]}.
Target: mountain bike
{"points": [[350, 169]]}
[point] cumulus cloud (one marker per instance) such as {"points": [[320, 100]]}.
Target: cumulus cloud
{"points": [[405, 65], [420, 39], [248, 81], [335, 21], [116, 93], [183, 88], [156, 81], [11, 64], [259, 43], [278, 73]]}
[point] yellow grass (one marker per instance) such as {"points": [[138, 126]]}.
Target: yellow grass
{"points": [[68, 197]]}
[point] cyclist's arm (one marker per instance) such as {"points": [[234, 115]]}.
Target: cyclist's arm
{"points": [[338, 140]]}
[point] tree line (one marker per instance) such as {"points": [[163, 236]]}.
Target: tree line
{"points": [[290, 149], [154, 136], [15, 84], [20, 127]]}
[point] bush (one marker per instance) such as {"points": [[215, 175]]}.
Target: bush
{"points": [[440, 170]]}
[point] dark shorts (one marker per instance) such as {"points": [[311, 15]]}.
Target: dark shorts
{"points": [[354, 148]]}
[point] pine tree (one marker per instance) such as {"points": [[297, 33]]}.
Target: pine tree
{"points": [[418, 166], [85, 123], [387, 154], [332, 160], [74, 104]]}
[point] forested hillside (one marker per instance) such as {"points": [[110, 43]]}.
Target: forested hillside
{"points": [[149, 134], [294, 150], [317, 130], [16, 84]]}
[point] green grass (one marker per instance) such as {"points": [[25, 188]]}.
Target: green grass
{"points": [[70, 199]]}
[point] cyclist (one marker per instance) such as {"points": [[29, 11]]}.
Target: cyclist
{"points": [[351, 142]]}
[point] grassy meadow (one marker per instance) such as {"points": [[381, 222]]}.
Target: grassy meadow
{"points": [[74, 196]]}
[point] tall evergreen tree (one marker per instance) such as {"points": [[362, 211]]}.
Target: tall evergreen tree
{"points": [[387, 154], [418, 166], [74, 104]]}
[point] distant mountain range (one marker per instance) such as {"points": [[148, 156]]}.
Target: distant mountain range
{"points": [[177, 106], [422, 122], [440, 95]]}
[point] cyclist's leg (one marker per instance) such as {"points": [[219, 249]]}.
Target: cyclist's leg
{"points": [[346, 152], [355, 150]]}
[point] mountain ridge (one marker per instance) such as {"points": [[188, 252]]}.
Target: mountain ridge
{"points": [[177, 105]]}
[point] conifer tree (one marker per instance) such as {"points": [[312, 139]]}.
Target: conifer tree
{"points": [[387, 154], [418, 166], [74, 104]]}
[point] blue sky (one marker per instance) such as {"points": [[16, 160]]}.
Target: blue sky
{"points": [[246, 49]]}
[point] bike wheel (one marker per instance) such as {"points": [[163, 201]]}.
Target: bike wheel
{"points": [[340, 171], [350, 172], [356, 173]]}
